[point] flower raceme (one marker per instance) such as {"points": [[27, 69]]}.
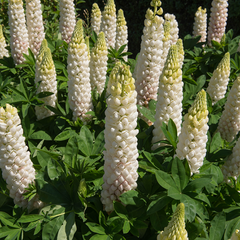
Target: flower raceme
{"points": [[200, 24], [3, 50], [217, 86], [96, 18], [193, 136], [174, 30], [79, 87], [18, 31], [176, 227], [15, 163], [120, 157]]}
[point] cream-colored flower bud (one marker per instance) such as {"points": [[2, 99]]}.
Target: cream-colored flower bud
{"points": [[229, 123], [176, 227], [193, 136], [98, 64], [180, 51], [121, 32], [79, 88], [120, 157], [236, 235], [88, 46], [34, 25], [170, 95], [18, 31], [48, 83], [200, 24], [67, 19], [15, 163], [96, 18], [108, 24], [218, 20], [3, 50], [174, 30], [217, 86]]}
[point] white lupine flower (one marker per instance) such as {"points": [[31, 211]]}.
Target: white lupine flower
{"points": [[120, 157], [174, 30], [34, 25], [121, 33], [98, 64], [48, 83], [218, 20], [39, 58], [79, 88], [180, 51], [67, 19], [150, 58], [3, 50], [200, 24], [235, 235], [96, 18], [229, 123], [217, 86], [108, 24], [193, 136], [15, 163], [176, 227], [88, 47], [170, 95], [18, 31], [231, 167]]}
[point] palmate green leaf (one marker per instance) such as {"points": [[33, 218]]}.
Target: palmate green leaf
{"points": [[216, 142], [126, 227], [146, 113], [194, 229], [8, 220], [41, 135], [217, 226], [232, 225], [10, 233], [65, 135], [53, 169], [71, 151], [99, 144], [114, 225], [121, 210], [30, 218], [170, 132], [164, 179], [190, 207], [100, 237], [197, 184], [131, 198], [96, 228], [85, 141], [174, 193]]}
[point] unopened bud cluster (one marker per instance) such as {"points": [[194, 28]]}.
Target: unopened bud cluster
{"points": [[96, 18], [193, 136], [174, 30], [120, 157], [3, 50], [200, 24], [18, 31]]}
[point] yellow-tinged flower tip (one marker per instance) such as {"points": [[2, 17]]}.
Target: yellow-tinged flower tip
{"points": [[44, 46], [179, 44], [77, 36], [198, 111], [225, 62], [47, 62], [236, 235], [121, 82], [9, 109], [15, 2], [101, 42], [176, 227], [1, 32], [155, 3], [203, 11], [110, 8], [120, 18], [167, 27], [95, 9]]}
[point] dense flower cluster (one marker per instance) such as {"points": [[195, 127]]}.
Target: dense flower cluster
{"points": [[120, 157], [15, 163], [147, 70], [236, 235], [121, 32], [79, 88], [34, 25], [170, 95], [98, 64], [108, 24], [18, 31], [217, 86], [229, 123], [96, 18], [193, 136], [200, 24], [180, 52], [3, 50], [218, 20], [48, 83], [174, 30], [176, 227], [67, 19]]}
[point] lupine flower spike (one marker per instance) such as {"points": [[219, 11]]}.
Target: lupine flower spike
{"points": [[15, 163], [236, 235], [147, 69], [218, 20], [120, 157], [121, 32], [180, 51], [98, 64], [18, 31], [44, 46], [48, 83], [3, 50], [88, 46], [200, 24], [67, 19], [108, 24], [174, 30], [34, 25], [229, 123], [193, 136], [79, 88], [176, 227], [170, 95], [96, 18], [231, 167], [217, 86]]}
